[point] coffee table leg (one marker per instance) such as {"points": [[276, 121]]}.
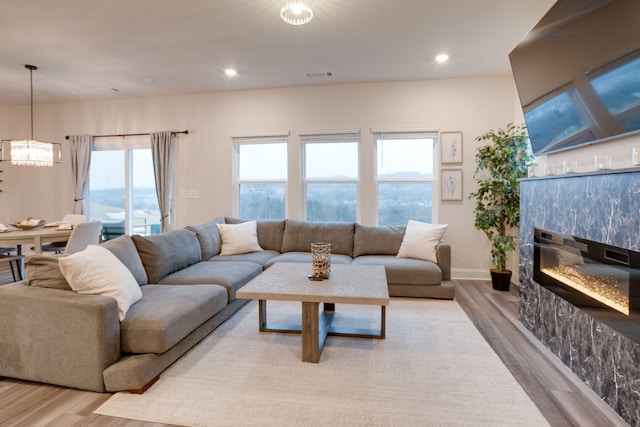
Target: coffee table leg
{"points": [[262, 315], [310, 332]]}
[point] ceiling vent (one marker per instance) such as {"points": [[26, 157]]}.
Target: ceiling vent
{"points": [[319, 74]]}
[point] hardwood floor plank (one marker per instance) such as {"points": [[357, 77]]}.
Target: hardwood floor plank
{"points": [[561, 397]]}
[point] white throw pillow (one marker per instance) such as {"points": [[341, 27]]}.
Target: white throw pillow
{"points": [[97, 271], [420, 240], [239, 238]]}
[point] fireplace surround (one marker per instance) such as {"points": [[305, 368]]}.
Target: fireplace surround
{"points": [[601, 207]]}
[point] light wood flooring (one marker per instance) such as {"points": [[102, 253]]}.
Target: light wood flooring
{"points": [[560, 396]]}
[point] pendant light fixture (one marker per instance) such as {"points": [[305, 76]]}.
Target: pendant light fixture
{"points": [[30, 152], [296, 12]]}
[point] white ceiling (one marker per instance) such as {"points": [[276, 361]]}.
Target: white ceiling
{"points": [[84, 48]]}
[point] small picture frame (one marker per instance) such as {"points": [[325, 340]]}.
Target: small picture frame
{"points": [[451, 185], [451, 148]]}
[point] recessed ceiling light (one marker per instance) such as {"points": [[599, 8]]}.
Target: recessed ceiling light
{"points": [[443, 57], [231, 72]]}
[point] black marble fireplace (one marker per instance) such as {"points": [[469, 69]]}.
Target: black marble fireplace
{"points": [[579, 260]]}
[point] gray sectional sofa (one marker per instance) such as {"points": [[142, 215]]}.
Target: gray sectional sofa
{"points": [[50, 334]]}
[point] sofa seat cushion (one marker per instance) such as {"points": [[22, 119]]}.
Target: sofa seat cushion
{"points": [[262, 257], [232, 275], [306, 257], [404, 271], [166, 314]]}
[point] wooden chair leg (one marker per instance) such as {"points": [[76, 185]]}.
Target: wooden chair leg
{"points": [[19, 270], [13, 273]]}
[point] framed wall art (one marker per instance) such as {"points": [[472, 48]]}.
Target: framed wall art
{"points": [[451, 184], [450, 148]]}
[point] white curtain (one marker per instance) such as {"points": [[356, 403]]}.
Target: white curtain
{"points": [[163, 151], [80, 162]]}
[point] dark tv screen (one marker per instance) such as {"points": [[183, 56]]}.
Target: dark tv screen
{"points": [[578, 74]]}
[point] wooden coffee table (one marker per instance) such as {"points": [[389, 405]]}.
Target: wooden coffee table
{"points": [[347, 284]]}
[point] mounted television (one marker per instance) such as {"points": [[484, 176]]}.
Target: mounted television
{"points": [[578, 74]]}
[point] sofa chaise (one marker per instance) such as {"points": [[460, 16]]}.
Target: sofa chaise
{"points": [[51, 334]]}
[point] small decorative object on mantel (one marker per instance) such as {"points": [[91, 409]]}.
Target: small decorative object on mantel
{"points": [[603, 162], [320, 261], [570, 166]]}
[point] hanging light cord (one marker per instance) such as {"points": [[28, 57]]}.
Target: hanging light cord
{"points": [[31, 68]]}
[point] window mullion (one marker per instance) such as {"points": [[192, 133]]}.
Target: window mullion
{"points": [[128, 185]]}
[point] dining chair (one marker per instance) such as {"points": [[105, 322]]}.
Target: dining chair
{"points": [[7, 256], [83, 235], [58, 247], [111, 230]]}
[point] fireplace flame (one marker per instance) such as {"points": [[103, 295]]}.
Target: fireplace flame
{"points": [[610, 290]]}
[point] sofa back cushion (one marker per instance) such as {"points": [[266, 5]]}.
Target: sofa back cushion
{"points": [[270, 233], [298, 236], [125, 250], [43, 271], [209, 238], [377, 240], [162, 254]]}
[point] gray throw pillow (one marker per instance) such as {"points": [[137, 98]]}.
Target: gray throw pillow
{"points": [[162, 254], [124, 249], [208, 237], [44, 272], [377, 239]]}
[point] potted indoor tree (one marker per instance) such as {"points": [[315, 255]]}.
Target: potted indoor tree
{"points": [[497, 212]]}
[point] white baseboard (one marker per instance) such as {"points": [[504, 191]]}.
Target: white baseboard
{"points": [[470, 274]]}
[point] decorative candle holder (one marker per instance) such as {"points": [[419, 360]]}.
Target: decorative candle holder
{"points": [[320, 260], [550, 169], [603, 162], [570, 166]]}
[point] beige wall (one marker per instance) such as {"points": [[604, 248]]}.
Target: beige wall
{"points": [[4, 176], [471, 106]]}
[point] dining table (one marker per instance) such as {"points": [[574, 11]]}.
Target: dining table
{"points": [[34, 237]]}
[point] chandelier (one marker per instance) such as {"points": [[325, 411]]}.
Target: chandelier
{"points": [[30, 152], [296, 12]]}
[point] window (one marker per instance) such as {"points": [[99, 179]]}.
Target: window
{"points": [[619, 90], [404, 177], [330, 176], [260, 177], [122, 190]]}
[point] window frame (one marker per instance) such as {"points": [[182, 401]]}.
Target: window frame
{"points": [[273, 138], [126, 147], [426, 134], [350, 136]]}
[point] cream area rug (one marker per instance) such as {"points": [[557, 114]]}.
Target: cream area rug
{"points": [[433, 369]]}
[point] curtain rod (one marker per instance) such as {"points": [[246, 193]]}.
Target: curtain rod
{"points": [[122, 135]]}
